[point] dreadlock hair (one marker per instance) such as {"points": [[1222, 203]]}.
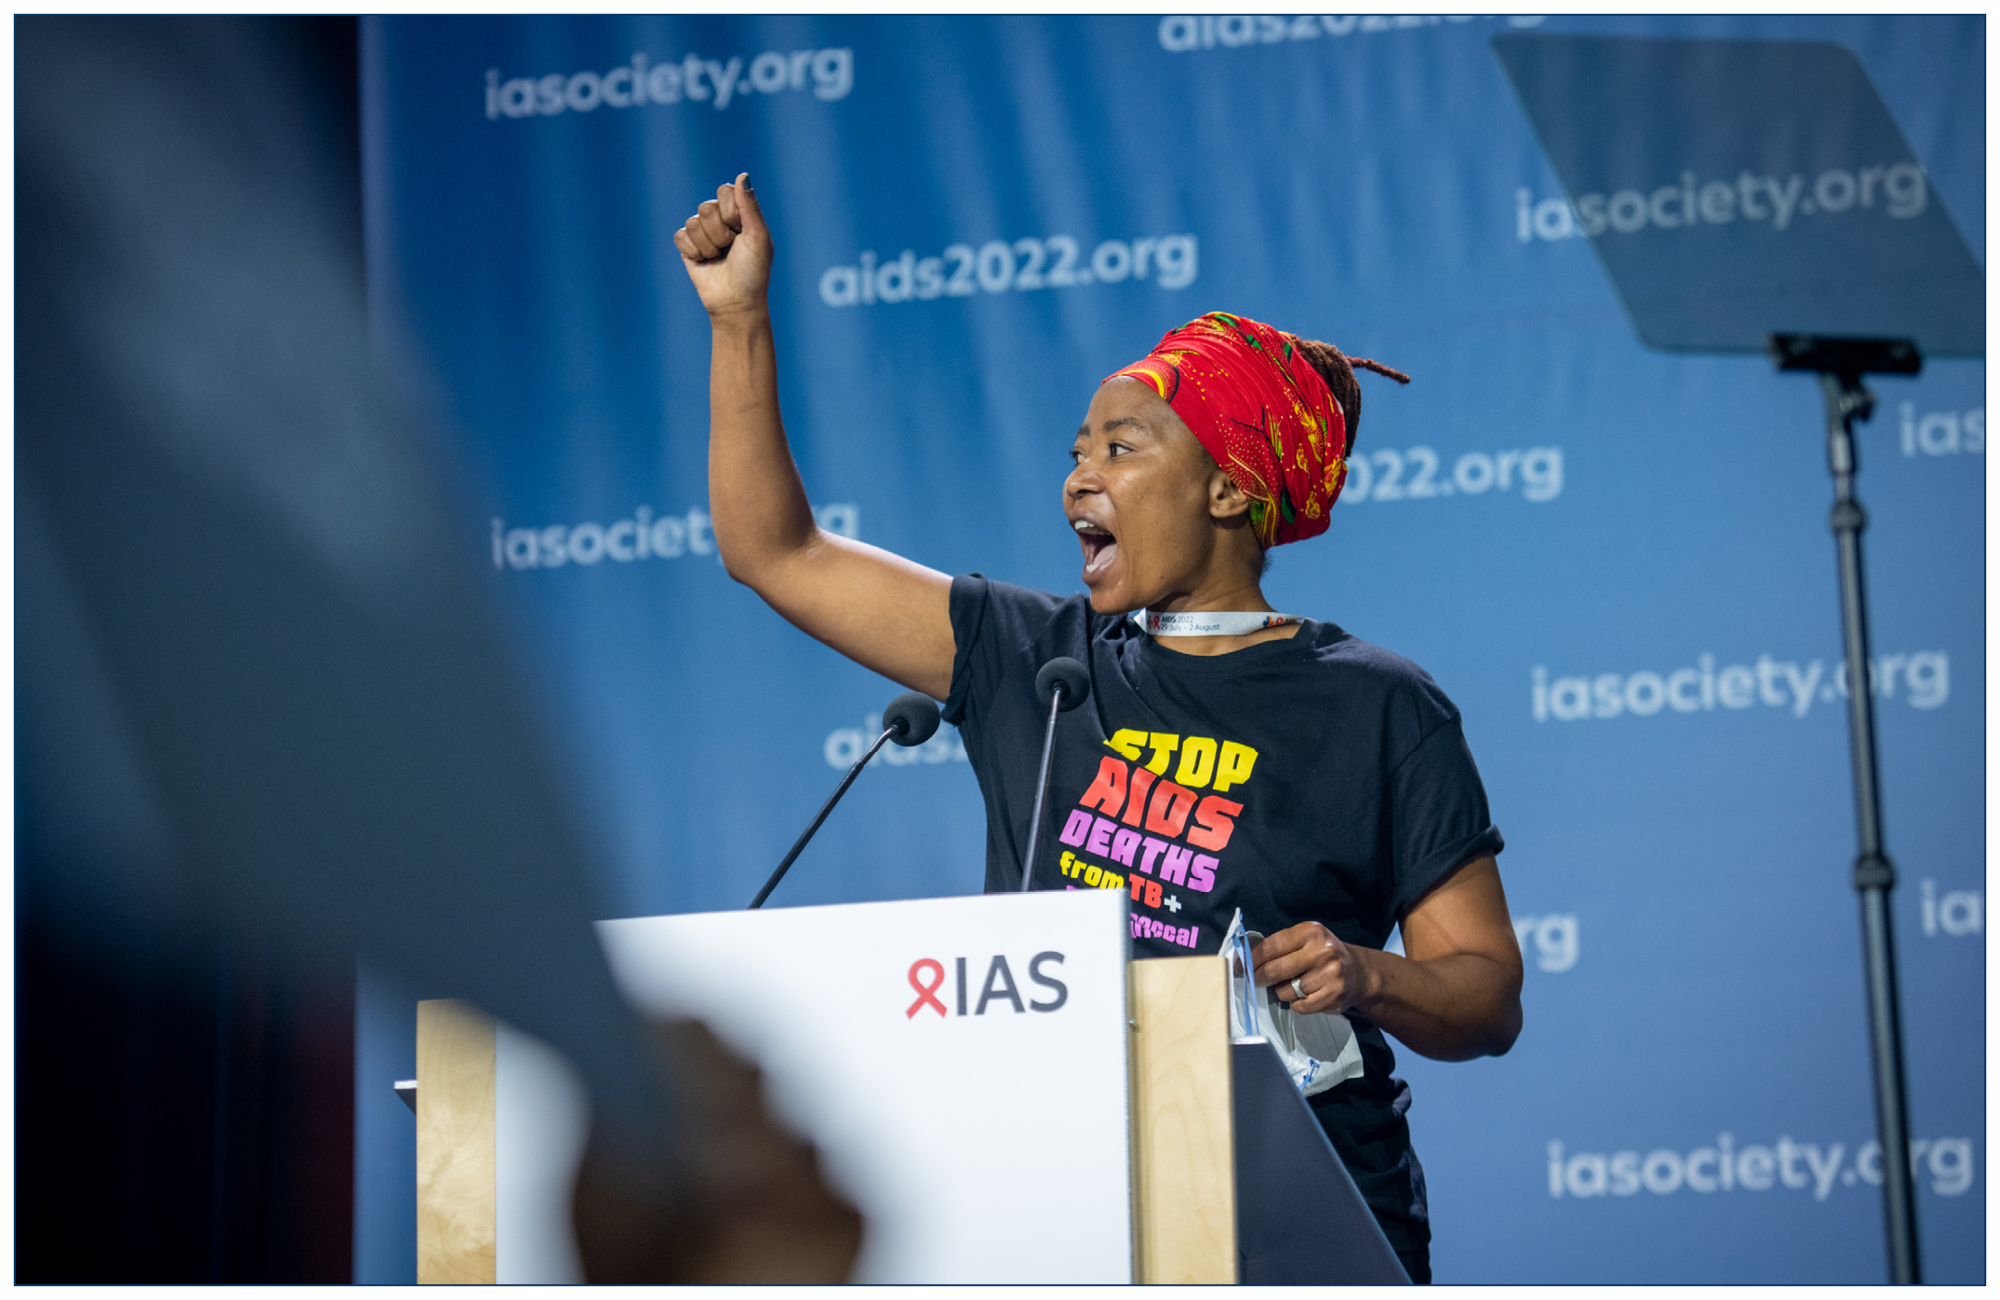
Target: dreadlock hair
{"points": [[1337, 369]]}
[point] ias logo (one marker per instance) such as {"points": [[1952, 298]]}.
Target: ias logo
{"points": [[927, 977]]}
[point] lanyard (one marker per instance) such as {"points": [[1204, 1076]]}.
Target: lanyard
{"points": [[1209, 622]]}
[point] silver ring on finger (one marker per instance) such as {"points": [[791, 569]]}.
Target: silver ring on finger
{"points": [[1298, 991]]}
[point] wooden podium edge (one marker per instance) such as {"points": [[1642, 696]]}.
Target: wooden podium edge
{"points": [[456, 1196], [1183, 1139]]}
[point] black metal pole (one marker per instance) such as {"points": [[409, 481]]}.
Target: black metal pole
{"points": [[797, 847], [1042, 786], [1874, 875]]}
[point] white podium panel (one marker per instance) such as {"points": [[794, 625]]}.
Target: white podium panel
{"points": [[959, 1062]]}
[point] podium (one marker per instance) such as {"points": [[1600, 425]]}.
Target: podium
{"points": [[1004, 1094]]}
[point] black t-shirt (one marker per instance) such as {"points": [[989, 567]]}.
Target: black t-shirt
{"points": [[1318, 778]]}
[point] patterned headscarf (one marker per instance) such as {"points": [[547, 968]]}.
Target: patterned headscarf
{"points": [[1263, 413]]}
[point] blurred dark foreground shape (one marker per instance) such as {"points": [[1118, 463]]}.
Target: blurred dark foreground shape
{"points": [[266, 720]]}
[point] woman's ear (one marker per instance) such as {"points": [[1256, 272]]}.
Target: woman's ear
{"points": [[1225, 499]]}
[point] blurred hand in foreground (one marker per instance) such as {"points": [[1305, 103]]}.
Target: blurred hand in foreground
{"points": [[738, 1200]]}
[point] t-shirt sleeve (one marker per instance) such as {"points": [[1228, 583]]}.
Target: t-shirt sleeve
{"points": [[996, 627], [1439, 820]]}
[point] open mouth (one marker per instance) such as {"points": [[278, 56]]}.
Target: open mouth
{"points": [[1099, 546]]}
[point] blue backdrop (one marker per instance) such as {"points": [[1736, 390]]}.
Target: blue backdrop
{"points": [[1615, 560]]}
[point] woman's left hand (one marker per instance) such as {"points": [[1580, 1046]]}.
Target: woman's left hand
{"points": [[1329, 973]]}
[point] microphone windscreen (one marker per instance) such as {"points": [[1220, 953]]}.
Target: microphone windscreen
{"points": [[1075, 681], [913, 716]]}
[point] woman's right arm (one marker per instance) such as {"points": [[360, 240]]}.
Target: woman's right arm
{"points": [[880, 610]]}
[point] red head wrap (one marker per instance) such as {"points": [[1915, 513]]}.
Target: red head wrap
{"points": [[1263, 413]]}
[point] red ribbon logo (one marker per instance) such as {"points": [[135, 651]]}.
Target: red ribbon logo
{"points": [[926, 993]]}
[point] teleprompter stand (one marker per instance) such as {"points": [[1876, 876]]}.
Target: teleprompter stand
{"points": [[1840, 363], [1612, 110]]}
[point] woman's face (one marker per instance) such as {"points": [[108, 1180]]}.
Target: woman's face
{"points": [[1144, 498]]}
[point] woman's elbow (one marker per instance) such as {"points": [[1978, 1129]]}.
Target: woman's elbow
{"points": [[767, 562], [1506, 1030], [1504, 1024], [758, 566], [737, 566]]}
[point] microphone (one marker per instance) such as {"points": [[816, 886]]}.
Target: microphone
{"points": [[1062, 685], [910, 719]]}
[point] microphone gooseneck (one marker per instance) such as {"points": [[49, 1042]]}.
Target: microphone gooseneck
{"points": [[910, 719], [1062, 684]]}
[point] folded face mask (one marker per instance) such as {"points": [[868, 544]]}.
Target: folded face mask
{"points": [[1319, 1050]]}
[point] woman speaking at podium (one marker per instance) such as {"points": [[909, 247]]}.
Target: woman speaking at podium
{"points": [[1230, 756]]}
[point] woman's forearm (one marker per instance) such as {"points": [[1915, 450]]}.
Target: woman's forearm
{"points": [[878, 609], [1449, 1008], [759, 507]]}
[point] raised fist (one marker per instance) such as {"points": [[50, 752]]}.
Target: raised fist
{"points": [[726, 249]]}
